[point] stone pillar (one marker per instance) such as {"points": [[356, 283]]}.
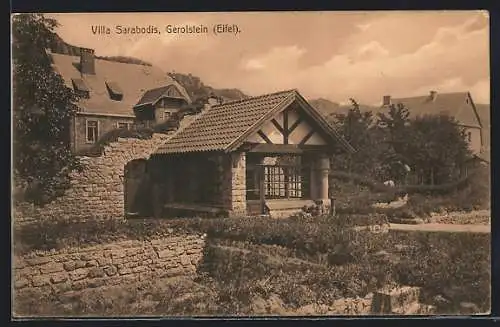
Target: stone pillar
{"points": [[323, 171], [238, 181], [233, 170]]}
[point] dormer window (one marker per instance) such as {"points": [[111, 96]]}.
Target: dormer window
{"points": [[80, 88], [114, 90]]}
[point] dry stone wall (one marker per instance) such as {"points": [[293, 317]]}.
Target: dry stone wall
{"points": [[97, 191], [74, 269]]}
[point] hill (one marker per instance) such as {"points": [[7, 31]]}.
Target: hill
{"points": [[329, 108], [198, 90]]}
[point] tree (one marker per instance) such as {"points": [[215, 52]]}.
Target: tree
{"points": [[395, 123], [361, 131], [42, 108], [438, 147]]}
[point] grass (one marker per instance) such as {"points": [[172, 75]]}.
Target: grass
{"points": [[48, 235], [299, 262], [235, 276]]}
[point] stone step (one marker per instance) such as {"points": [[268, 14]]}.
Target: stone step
{"points": [[386, 301]]}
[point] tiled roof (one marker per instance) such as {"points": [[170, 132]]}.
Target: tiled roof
{"points": [[152, 95], [134, 80], [457, 104], [222, 126]]}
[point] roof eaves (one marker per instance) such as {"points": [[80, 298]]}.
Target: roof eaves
{"points": [[475, 109]]}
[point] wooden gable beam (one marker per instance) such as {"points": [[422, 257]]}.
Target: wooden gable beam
{"points": [[294, 125], [278, 126], [285, 125], [264, 137], [307, 137]]}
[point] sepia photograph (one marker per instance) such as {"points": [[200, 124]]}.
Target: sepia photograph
{"points": [[250, 164]]}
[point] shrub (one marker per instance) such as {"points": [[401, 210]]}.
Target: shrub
{"points": [[47, 235]]}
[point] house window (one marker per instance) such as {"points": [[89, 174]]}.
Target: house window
{"points": [[92, 131], [469, 136], [125, 125], [166, 115]]}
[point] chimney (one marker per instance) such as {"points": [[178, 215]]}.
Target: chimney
{"points": [[87, 61], [432, 95], [387, 100]]}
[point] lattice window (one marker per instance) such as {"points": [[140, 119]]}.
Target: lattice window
{"points": [[282, 181]]}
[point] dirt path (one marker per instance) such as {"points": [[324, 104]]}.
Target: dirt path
{"points": [[432, 227]]}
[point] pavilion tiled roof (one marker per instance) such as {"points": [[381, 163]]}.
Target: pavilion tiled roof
{"points": [[221, 127]]}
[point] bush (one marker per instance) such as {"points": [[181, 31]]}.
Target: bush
{"points": [[47, 235]]}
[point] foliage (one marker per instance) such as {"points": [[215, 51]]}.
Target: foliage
{"points": [[433, 146], [439, 147], [47, 235], [455, 265], [198, 91], [239, 267], [124, 59], [42, 108], [360, 130]]}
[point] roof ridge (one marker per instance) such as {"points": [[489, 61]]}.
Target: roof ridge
{"points": [[255, 97], [426, 95]]}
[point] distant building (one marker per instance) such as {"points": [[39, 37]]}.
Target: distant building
{"points": [[459, 105], [115, 95]]}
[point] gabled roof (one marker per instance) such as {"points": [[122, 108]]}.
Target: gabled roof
{"points": [[457, 104], [225, 127], [133, 79], [153, 95]]}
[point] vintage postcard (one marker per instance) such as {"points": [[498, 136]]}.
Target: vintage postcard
{"points": [[251, 164]]}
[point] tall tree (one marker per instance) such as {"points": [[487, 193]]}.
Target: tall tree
{"points": [[42, 108], [438, 147], [360, 130], [395, 123]]}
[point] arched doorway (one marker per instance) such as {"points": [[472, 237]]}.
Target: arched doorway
{"points": [[137, 189]]}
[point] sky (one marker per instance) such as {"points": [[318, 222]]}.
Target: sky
{"points": [[331, 55]]}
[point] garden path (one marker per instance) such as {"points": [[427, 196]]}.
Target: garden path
{"points": [[433, 227]]}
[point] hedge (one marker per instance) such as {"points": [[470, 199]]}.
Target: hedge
{"points": [[293, 232]]}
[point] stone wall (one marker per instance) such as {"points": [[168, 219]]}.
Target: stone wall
{"points": [[234, 184], [75, 269], [98, 191]]}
